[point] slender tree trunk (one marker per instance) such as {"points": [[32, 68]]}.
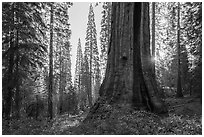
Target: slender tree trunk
{"points": [[126, 82], [80, 87], [50, 90], [153, 38], [179, 88], [89, 93], [17, 95], [9, 94], [90, 81], [37, 107], [60, 83]]}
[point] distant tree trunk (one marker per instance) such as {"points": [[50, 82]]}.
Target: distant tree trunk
{"points": [[89, 93], [126, 82], [9, 94], [179, 88], [85, 78], [80, 88], [153, 38], [17, 95], [90, 78], [190, 84], [37, 107], [60, 84], [50, 90]]}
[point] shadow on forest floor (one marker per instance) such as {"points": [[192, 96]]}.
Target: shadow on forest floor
{"points": [[184, 118], [184, 106]]}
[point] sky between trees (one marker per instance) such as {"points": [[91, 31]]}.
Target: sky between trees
{"points": [[78, 18]]}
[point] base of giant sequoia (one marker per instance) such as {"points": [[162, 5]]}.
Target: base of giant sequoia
{"points": [[128, 81], [103, 109], [115, 95], [118, 119]]}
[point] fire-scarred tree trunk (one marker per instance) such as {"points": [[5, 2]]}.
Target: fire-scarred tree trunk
{"points": [[128, 81]]}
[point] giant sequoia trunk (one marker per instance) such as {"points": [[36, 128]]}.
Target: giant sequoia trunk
{"points": [[128, 81]]}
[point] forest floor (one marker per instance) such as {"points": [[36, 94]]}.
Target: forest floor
{"points": [[185, 117]]}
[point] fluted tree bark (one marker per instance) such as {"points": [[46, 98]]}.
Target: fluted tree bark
{"points": [[128, 80]]}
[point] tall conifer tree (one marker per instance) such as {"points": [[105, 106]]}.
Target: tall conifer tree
{"points": [[78, 72], [91, 52]]}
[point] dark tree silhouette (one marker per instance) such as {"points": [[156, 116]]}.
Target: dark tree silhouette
{"points": [[179, 88], [153, 37], [50, 89]]}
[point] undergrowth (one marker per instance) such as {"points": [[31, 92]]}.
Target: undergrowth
{"points": [[115, 121], [25, 126], [129, 122]]}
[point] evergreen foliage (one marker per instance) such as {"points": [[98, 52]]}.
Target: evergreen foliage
{"points": [[24, 47], [21, 43], [193, 40], [62, 56], [92, 54], [78, 75], [105, 35], [166, 48]]}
